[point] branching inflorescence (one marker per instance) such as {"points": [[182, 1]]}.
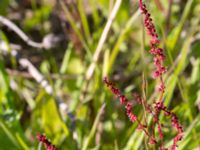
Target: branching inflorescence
{"points": [[158, 106], [42, 138]]}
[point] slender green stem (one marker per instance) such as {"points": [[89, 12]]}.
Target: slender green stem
{"points": [[94, 127], [144, 82], [75, 28], [84, 19]]}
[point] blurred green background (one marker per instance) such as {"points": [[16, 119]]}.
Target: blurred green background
{"points": [[52, 89]]}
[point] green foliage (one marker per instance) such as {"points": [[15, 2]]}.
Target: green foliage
{"points": [[39, 16], [82, 113], [4, 6]]}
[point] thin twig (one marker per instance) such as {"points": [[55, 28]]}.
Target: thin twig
{"points": [[144, 83], [36, 75], [143, 75], [27, 75], [94, 127], [20, 33]]}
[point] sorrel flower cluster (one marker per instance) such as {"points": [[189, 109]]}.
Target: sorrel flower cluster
{"points": [[159, 58], [157, 107], [46, 142], [128, 106], [154, 111], [157, 52]]}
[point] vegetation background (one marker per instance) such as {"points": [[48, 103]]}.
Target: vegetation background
{"points": [[54, 84]]}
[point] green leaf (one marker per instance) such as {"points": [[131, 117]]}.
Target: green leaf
{"points": [[51, 119]]}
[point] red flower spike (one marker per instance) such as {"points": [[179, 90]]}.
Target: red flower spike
{"points": [[162, 70], [156, 51], [162, 148], [162, 57], [159, 71], [152, 141], [161, 87], [148, 24], [174, 147], [160, 131], [158, 59], [132, 117], [114, 90], [138, 98], [128, 107], [179, 128], [156, 74], [167, 113], [123, 99], [154, 40], [42, 138]]}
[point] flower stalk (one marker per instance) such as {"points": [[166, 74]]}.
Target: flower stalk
{"points": [[157, 107]]}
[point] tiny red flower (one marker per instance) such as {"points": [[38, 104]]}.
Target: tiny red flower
{"points": [[160, 131], [161, 87], [123, 99], [42, 138], [152, 140]]}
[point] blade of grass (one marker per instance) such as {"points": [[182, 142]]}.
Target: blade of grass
{"points": [[58, 123], [105, 63], [66, 58], [195, 76], [175, 35], [12, 58], [134, 141], [75, 28], [179, 68], [9, 134], [94, 127], [95, 15], [71, 21], [84, 20], [22, 142], [6, 92]]}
